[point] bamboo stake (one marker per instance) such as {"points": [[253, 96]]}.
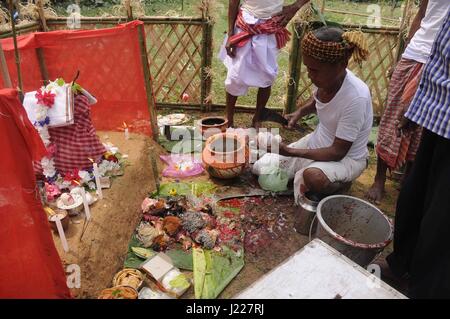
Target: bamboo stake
{"points": [[42, 65], [42, 15], [16, 49], [148, 84], [129, 10], [154, 167], [206, 57], [5, 71], [403, 26], [295, 63]]}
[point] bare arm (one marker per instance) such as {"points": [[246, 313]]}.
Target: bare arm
{"points": [[289, 11], [233, 9], [333, 153], [415, 25]]}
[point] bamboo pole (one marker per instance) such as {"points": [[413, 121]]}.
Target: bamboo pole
{"points": [[295, 63], [148, 84], [5, 71], [206, 80], [42, 65], [16, 49], [403, 27], [154, 164], [129, 10], [42, 15]]}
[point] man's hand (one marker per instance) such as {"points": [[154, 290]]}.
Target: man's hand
{"points": [[292, 120], [404, 126], [283, 149], [289, 12], [231, 49]]}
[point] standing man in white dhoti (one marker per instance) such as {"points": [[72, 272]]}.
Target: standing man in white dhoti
{"points": [[256, 33]]}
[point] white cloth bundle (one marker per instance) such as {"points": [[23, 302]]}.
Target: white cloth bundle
{"points": [[60, 114]]}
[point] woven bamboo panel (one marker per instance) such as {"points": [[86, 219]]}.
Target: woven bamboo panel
{"points": [[174, 52], [382, 47]]}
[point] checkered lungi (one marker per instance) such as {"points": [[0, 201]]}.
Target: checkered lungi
{"points": [[394, 150], [76, 143]]}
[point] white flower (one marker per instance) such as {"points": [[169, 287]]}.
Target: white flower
{"points": [[48, 167], [111, 148], [108, 166], [43, 132], [91, 185], [41, 112], [85, 177]]}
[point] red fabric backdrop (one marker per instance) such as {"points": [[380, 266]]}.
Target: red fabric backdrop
{"points": [[110, 65], [29, 263]]}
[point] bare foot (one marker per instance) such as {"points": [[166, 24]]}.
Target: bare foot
{"points": [[376, 192]]}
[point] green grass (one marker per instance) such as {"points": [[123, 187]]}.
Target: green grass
{"points": [[219, 13]]}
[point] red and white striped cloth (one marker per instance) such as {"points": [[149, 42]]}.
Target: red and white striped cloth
{"points": [[270, 26], [394, 150], [76, 143]]}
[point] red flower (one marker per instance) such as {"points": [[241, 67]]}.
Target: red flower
{"points": [[45, 98], [51, 149], [72, 176]]}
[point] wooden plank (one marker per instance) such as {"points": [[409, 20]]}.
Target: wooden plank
{"points": [[319, 271]]}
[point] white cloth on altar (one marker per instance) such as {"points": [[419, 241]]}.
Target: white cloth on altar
{"points": [[60, 114], [255, 64]]}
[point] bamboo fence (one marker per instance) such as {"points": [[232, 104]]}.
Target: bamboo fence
{"points": [[179, 52]]}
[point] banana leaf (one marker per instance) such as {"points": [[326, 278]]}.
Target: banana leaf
{"points": [[184, 189], [132, 260], [181, 259], [213, 270]]}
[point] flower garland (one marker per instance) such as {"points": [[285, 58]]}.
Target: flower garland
{"points": [[45, 100]]}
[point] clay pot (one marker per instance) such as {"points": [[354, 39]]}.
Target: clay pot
{"points": [[225, 155], [212, 125]]}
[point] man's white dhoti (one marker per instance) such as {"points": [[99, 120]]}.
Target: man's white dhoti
{"points": [[346, 170], [255, 64]]}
